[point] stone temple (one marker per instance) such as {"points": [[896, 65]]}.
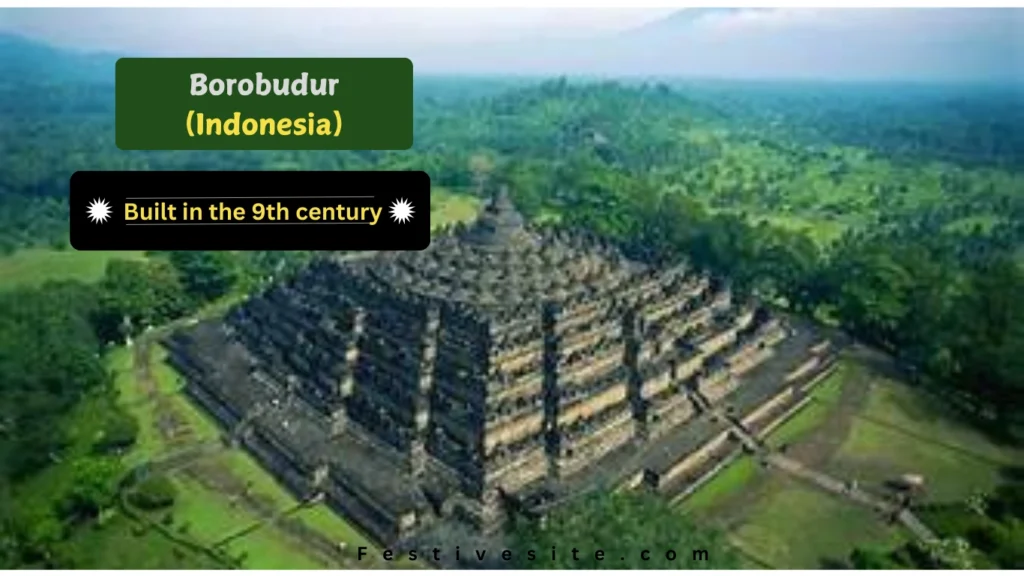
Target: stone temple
{"points": [[505, 369]]}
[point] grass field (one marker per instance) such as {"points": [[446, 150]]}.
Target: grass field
{"points": [[796, 526], [116, 541], [827, 397], [205, 515], [448, 207], [328, 523], [226, 499], [35, 266], [902, 432], [162, 402], [726, 483], [265, 549], [217, 492], [121, 543], [860, 425]]}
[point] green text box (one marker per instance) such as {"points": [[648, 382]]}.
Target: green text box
{"points": [[372, 98]]}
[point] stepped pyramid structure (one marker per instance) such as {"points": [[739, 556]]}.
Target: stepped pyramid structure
{"points": [[505, 368]]}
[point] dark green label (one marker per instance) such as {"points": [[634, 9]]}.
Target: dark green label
{"points": [[264, 104]]}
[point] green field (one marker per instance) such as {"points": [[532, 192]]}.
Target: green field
{"points": [[35, 266], [265, 549], [123, 543], [860, 425], [901, 432], [158, 406], [226, 501], [795, 526], [448, 207]]}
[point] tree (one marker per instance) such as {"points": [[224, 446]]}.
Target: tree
{"points": [[871, 288], [953, 553], [119, 432], [94, 489], [10, 544], [622, 526], [872, 559], [989, 343], [153, 493], [49, 358], [136, 294], [206, 275]]}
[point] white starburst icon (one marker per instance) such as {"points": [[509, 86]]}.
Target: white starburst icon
{"points": [[99, 211], [401, 211]]}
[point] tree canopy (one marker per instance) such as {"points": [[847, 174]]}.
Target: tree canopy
{"points": [[630, 530]]}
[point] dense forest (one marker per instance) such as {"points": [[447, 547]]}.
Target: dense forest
{"points": [[894, 212]]}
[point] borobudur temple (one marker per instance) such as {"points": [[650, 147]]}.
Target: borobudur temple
{"points": [[505, 369]]}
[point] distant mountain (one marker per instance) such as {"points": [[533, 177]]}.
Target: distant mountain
{"points": [[35, 62]]}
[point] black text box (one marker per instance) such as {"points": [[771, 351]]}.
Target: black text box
{"points": [[280, 210]]}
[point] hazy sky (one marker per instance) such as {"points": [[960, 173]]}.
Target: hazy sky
{"points": [[810, 43], [213, 29]]}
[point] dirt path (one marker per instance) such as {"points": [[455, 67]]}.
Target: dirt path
{"points": [[142, 369], [173, 428]]}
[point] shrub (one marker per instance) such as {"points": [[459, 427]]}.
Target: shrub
{"points": [[153, 493], [119, 432]]}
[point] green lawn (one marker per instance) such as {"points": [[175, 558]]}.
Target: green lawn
{"points": [[799, 527], [205, 515], [326, 521], [267, 549], [859, 425], [119, 363], [117, 541], [902, 432], [121, 543], [151, 444], [245, 468], [35, 266], [744, 470], [203, 511], [167, 380], [726, 483], [825, 398]]}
